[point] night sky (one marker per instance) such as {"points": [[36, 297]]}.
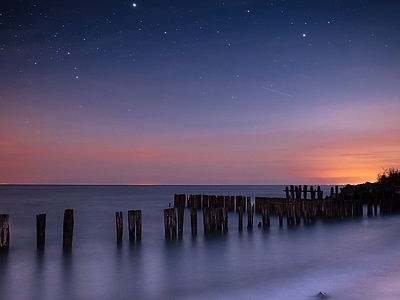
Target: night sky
{"points": [[199, 92]]}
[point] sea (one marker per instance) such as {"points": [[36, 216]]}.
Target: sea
{"points": [[355, 258]]}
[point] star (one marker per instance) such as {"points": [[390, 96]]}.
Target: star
{"points": [[134, 5]]}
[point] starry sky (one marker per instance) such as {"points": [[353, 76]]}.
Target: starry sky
{"points": [[199, 92]]}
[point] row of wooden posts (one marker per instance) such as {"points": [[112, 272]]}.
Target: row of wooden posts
{"points": [[134, 228], [216, 211], [214, 219]]}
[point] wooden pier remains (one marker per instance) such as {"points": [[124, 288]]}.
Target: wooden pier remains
{"points": [[301, 204]]}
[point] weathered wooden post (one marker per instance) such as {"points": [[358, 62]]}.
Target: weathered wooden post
{"points": [[173, 222], [68, 229], [206, 201], [119, 225], [225, 219], [312, 194], [181, 212], [305, 191], [179, 200], [206, 219], [170, 222], [131, 224], [297, 212], [287, 192], [218, 218], [250, 214], [138, 217], [292, 192], [40, 231], [229, 201], [266, 222], [240, 226], [167, 225], [319, 193], [4, 232], [369, 207], [280, 214], [193, 220], [289, 213]]}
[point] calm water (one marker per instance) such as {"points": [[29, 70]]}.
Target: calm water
{"points": [[351, 259]]}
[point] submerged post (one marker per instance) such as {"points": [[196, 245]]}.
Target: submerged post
{"points": [[4, 232], [181, 212], [138, 218], [240, 226], [119, 225], [131, 224], [40, 231], [265, 215], [68, 229], [193, 220], [225, 219]]}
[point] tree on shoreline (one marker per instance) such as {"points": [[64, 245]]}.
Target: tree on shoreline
{"points": [[389, 176]]}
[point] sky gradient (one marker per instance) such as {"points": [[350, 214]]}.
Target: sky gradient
{"points": [[189, 92]]}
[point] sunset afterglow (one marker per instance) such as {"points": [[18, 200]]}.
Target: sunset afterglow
{"points": [[245, 93]]}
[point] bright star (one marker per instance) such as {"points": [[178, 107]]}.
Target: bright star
{"points": [[134, 5], [304, 35]]}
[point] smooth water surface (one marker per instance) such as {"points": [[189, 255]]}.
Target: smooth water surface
{"points": [[349, 259]]}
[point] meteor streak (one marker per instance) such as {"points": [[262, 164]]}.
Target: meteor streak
{"points": [[275, 91]]}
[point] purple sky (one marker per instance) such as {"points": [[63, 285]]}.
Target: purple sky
{"points": [[189, 92]]}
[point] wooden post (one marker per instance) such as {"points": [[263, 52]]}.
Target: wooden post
{"points": [[181, 212], [40, 231], [170, 222], [229, 203], [138, 217], [206, 219], [297, 212], [292, 192], [225, 219], [193, 220], [206, 201], [218, 218], [131, 224], [68, 229], [289, 214], [240, 226], [369, 207], [167, 225], [179, 200], [305, 191], [250, 214], [173, 222], [319, 193], [280, 214], [4, 232], [119, 225], [265, 215], [287, 192]]}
